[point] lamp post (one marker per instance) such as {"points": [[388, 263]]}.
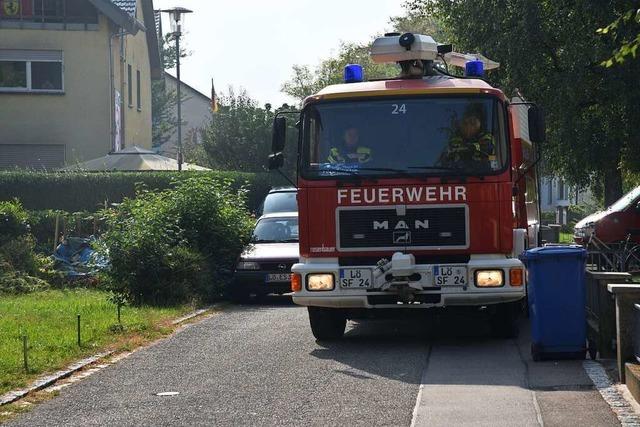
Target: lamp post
{"points": [[176, 16]]}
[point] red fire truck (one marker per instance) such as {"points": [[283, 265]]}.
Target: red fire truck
{"points": [[413, 192]]}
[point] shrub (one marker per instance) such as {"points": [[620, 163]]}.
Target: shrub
{"points": [[19, 264], [13, 220], [16, 282], [18, 254], [90, 191], [172, 246]]}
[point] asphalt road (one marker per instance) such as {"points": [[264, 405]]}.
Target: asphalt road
{"points": [[259, 365]]}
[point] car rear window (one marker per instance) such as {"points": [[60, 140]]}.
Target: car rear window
{"points": [[280, 202]]}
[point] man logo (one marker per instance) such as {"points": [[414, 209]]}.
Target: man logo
{"points": [[401, 225], [401, 237]]}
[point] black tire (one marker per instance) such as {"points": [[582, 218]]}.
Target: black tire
{"points": [[327, 323], [504, 320]]}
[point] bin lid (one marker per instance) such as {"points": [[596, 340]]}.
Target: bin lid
{"points": [[554, 251]]}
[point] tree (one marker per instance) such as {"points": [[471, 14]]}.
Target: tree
{"points": [[239, 135], [625, 31], [551, 52], [307, 81]]}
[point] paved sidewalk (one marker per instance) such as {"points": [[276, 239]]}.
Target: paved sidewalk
{"points": [[496, 383]]}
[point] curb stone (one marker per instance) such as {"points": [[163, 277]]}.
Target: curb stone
{"points": [[47, 380], [618, 404], [192, 315]]}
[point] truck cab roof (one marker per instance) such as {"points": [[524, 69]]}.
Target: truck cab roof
{"points": [[395, 87]]}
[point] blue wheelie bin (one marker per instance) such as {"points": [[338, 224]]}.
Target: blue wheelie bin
{"points": [[555, 290]]}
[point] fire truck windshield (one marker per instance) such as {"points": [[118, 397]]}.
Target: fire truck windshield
{"points": [[388, 137]]}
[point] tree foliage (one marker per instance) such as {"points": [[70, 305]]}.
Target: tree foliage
{"points": [[306, 81], [625, 31], [551, 52], [239, 135]]}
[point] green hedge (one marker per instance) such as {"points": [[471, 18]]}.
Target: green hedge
{"points": [[89, 191]]}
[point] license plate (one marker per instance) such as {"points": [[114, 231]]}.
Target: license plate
{"points": [[447, 275], [279, 277], [355, 278]]}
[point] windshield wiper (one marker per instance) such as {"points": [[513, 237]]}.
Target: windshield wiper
{"points": [[347, 171], [350, 175]]}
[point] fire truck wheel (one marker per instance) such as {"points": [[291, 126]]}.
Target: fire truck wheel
{"points": [[327, 323], [504, 320]]}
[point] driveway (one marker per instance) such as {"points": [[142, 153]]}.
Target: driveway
{"points": [[259, 365]]}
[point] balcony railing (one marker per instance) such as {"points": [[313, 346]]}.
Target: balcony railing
{"points": [[47, 12]]}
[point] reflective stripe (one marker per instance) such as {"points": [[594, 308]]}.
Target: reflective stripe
{"points": [[363, 154]]}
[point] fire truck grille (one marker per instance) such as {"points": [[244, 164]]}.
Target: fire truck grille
{"points": [[392, 228]]}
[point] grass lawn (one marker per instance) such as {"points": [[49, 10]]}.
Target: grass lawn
{"points": [[49, 319]]}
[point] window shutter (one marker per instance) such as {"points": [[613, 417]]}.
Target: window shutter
{"points": [[30, 55]]}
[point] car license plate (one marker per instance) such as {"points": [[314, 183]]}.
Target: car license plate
{"points": [[355, 278], [447, 275], [279, 277]]}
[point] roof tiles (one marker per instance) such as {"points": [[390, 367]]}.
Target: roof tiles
{"points": [[128, 6]]}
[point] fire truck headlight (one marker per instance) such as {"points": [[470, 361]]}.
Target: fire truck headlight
{"points": [[489, 278], [320, 282]]}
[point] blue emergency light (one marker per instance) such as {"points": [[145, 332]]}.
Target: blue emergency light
{"points": [[353, 73], [474, 68]]}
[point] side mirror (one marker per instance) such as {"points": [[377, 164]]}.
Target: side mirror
{"points": [[276, 161], [279, 134], [537, 126]]}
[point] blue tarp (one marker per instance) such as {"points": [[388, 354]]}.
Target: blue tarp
{"points": [[76, 258]]}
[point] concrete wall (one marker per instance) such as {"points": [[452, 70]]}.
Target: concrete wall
{"points": [[79, 118]]}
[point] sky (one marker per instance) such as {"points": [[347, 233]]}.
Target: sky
{"points": [[253, 44]]}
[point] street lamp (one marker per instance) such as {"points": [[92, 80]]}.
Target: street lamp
{"points": [[176, 16]]}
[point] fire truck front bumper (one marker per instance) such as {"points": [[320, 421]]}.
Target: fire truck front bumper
{"points": [[400, 283]]}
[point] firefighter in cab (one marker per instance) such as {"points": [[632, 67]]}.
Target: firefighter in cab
{"points": [[471, 144], [350, 151]]}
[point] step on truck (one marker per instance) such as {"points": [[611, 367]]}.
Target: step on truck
{"points": [[414, 192]]}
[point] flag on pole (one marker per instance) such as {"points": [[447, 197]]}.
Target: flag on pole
{"points": [[214, 99]]}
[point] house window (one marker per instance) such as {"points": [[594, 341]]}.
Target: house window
{"points": [[129, 86], [13, 74], [31, 71], [561, 189], [138, 100]]}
